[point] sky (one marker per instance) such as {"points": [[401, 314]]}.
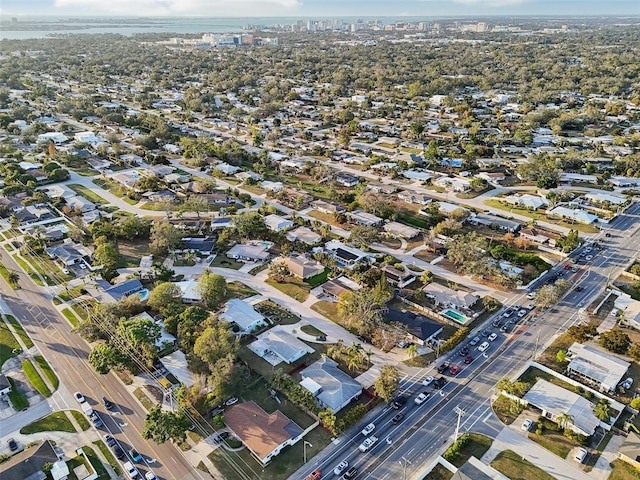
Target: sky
{"points": [[319, 8]]}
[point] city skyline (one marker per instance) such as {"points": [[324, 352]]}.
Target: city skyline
{"points": [[323, 8]]}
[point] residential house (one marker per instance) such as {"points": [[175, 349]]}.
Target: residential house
{"points": [[174, 178], [272, 186], [346, 256], [241, 314], [625, 182], [69, 253], [453, 184], [630, 450], [421, 330], [347, 180], [55, 137], [446, 297], [555, 401], [302, 267], [532, 202], [400, 230], [202, 245], [244, 176], [131, 159], [264, 434], [628, 309], [419, 175], [536, 235], [364, 218], [79, 203], [88, 137], [337, 286], [35, 214], [160, 171], [603, 198], [381, 188], [578, 178], [176, 364], [446, 208], [305, 235], [161, 196], [332, 387], [292, 164], [595, 366], [220, 223], [121, 290], [189, 291], [493, 178], [574, 214], [256, 251], [328, 207], [226, 169], [127, 178], [216, 198], [5, 386], [278, 345], [493, 221], [396, 277], [277, 223], [30, 463], [412, 197]]}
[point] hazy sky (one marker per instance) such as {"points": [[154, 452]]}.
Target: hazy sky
{"points": [[319, 8]]}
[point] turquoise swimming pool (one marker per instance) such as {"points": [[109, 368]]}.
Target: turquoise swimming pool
{"points": [[458, 317]]}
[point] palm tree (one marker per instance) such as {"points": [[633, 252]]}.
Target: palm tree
{"points": [[13, 278], [565, 419]]}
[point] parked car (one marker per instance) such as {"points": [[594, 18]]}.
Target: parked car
{"points": [[443, 367], [485, 333], [341, 467], [399, 401], [95, 418], [531, 295], [220, 437], [522, 313], [468, 359], [496, 323], [231, 401], [455, 370], [463, 351], [474, 341], [108, 404], [118, 452], [492, 337], [504, 328], [527, 424], [368, 443], [132, 471], [150, 475], [627, 383], [483, 347], [581, 455], [79, 397], [427, 381], [350, 474], [368, 429], [13, 446], [507, 313], [321, 338], [397, 418], [420, 399], [315, 475], [109, 440], [135, 455]]}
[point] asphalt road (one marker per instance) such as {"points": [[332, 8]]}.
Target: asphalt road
{"points": [[67, 353], [419, 438]]}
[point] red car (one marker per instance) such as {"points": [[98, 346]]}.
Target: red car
{"points": [[567, 266], [315, 475], [455, 370], [468, 359]]}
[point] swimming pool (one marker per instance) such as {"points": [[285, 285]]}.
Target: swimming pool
{"points": [[453, 315], [144, 294]]}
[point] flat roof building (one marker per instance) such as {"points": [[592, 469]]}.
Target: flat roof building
{"points": [[596, 366]]}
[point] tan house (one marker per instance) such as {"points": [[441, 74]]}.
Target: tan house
{"points": [[302, 267], [630, 450]]}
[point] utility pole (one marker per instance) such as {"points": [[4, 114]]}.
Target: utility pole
{"points": [[460, 413]]}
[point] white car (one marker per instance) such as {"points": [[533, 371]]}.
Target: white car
{"points": [[483, 347], [531, 306], [79, 397], [588, 258], [492, 337], [341, 467], [150, 475], [527, 425], [131, 470], [427, 381], [531, 295], [522, 313], [581, 455], [367, 444], [82, 266], [420, 399], [368, 429]]}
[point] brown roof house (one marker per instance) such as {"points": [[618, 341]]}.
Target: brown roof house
{"points": [[28, 464], [303, 267], [264, 434], [630, 450]]}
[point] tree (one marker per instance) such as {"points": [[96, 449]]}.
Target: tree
{"points": [[161, 425], [329, 420], [107, 256], [615, 341], [13, 278], [634, 352], [426, 277], [102, 358], [546, 296], [164, 237], [250, 225], [412, 351], [278, 271], [164, 296], [564, 419], [132, 227], [602, 410], [490, 304], [364, 235], [215, 343], [362, 309], [387, 382], [561, 356], [212, 287]]}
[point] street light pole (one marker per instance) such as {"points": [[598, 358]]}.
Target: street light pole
{"points": [[304, 450], [460, 412], [404, 467]]}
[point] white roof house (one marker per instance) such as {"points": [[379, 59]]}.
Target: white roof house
{"points": [[277, 223], [332, 387], [597, 366], [602, 197], [88, 137], [176, 363], [272, 186], [250, 252], [243, 315], [453, 184], [78, 202], [278, 345], [55, 137], [226, 168], [630, 307], [400, 230], [527, 200], [364, 218], [304, 234], [189, 290], [417, 175], [554, 401], [576, 214]]}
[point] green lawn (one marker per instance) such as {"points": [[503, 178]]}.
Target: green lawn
{"points": [[18, 400], [515, 467], [327, 309], [555, 442], [317, 279], [292, 286], [29, 271], [222, 261], [81, 419], [623, 471], [48, 269], [5, 274], [143, 398], [54, 422], [311, 330], [88, 194], [476, 446], [502, 408], [439, 473], [20, 331], [73, 320], [8, 343], [35, 378], [238, 289], [96, 463], [48, 372], [106, 453]]}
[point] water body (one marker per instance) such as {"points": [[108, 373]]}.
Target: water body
{"points": [[41, 27]]}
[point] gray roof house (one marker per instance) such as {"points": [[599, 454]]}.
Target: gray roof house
{"points": [[121, 290], [596, 366], [278, 345], [28, 464], [243, 315], [332, 387]]}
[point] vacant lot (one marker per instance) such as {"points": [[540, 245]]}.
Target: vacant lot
{"points": [[515, 467]]}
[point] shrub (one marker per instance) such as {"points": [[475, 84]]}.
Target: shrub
{"points": [[353, 416]]}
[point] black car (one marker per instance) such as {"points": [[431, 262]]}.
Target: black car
{"points": [[108, 404], [496, 323], [118, 452], [351, 473], [321, 338], [439, 383], [485, 333], [579, 289], [397, 419], [220, 437], [13, 446], [399, 401], [444, 367], [464, 351]]}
